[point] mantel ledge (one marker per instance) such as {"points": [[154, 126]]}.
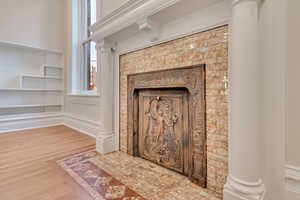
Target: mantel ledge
{"points": [[130, 13]]}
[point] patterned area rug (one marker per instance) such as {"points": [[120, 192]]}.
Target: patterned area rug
{"points": [[118, 176], [100, 184]]}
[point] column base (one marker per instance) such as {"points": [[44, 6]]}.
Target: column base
{"points": [[236, 189], [106, 143]]}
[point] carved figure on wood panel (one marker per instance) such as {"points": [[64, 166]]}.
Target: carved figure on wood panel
{"points": [[161, 131]]}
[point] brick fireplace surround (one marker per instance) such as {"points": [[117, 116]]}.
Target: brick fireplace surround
{"points": [[209, 48]]}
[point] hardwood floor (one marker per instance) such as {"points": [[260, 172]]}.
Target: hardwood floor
{"points": [[28, 169]]}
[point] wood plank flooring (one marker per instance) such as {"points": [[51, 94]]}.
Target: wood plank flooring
{"points": [[28, 169]]}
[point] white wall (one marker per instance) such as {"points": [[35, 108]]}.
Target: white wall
{"points": [[293, 84], [109, 6], [38, 23], [83, 109]]}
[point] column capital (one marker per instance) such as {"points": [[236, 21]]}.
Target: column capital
{"points": [[235, 2], [105, 45]]}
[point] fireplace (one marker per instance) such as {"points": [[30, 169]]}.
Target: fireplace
{"points": [[159, 68], [166, 119]]}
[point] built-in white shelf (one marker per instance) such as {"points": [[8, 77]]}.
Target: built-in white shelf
{"points": [[20, 45], [53, 66], [28, 106], [30, 90], [34, 82], [41, 77]]}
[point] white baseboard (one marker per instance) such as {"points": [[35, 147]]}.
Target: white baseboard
{"points": [[292, 182], [29, 121], [41, 120], [80, 124]]}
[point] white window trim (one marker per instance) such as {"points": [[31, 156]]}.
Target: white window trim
{"points": [[77, 69]]}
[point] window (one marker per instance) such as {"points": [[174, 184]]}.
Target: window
{"points": [[88, 47]]}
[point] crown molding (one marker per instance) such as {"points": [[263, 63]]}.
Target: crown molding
{"points": [[130, 13], [126, 7]]}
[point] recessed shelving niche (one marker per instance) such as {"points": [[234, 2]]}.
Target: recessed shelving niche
{"points": [[31, 80]]}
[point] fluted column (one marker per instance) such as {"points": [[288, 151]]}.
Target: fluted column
{"points": [[244, 182], [106, 136]]}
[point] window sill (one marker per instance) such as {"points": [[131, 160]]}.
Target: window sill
{"points": [[84, 95]]}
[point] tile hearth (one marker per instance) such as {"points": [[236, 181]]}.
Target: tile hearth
{"points": [[143, 179]]}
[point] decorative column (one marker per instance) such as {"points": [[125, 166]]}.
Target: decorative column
{"points": [[244, 182], [106, 136]]}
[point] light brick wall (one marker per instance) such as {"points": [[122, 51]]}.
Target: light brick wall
{"points": [[210, 48]]}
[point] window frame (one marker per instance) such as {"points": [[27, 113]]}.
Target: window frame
{"points": [[80, 71]]}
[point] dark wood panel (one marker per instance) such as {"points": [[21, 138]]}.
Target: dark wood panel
{"points": [[163, 127], [194, 153]]}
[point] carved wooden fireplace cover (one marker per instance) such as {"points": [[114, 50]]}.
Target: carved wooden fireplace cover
{"points": [[166, 119]]}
